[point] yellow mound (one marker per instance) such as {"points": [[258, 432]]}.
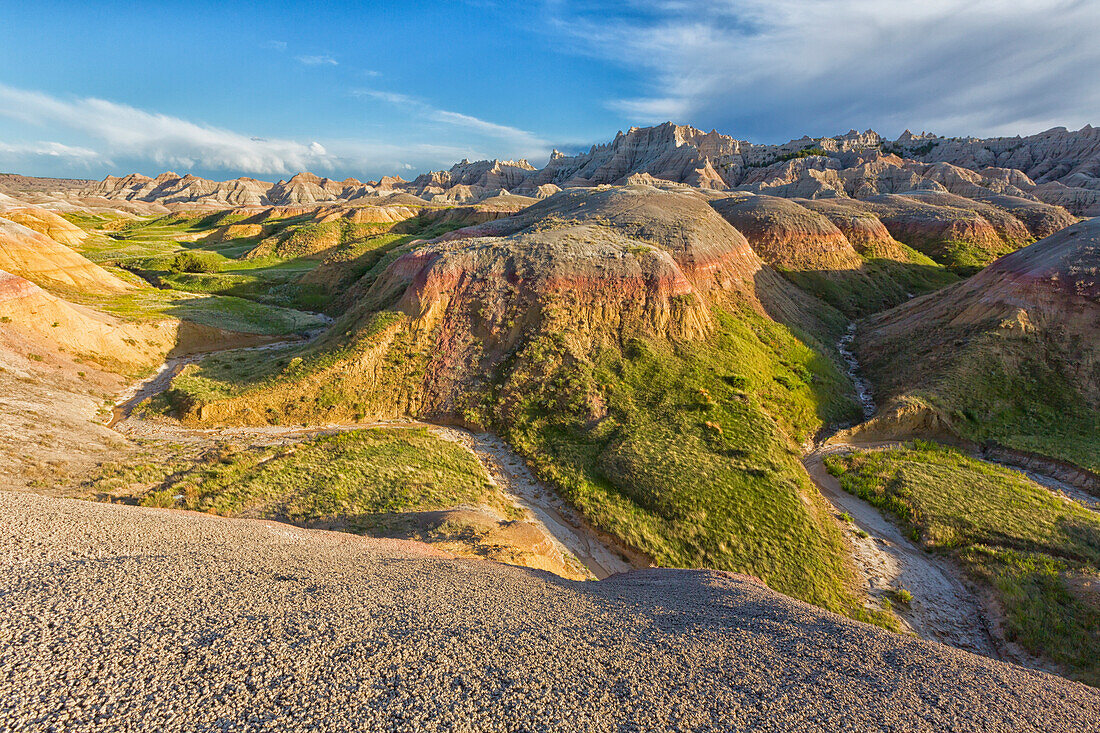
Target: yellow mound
{"points": [[48, 223], [45, 262], [234, 231], [78, 331]]}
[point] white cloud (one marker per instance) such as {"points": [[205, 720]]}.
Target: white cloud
{"points": [[121, 135], [52, 150], [403, 100], [475, 123], [50, 155], [274, 45], [769, 68], [130, 133], [317, 60], [518, 142]]}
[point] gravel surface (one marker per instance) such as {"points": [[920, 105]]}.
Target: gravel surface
{"points": [[124, 618]]}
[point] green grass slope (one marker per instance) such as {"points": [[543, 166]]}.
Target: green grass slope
{"points": [[1010, 356]]}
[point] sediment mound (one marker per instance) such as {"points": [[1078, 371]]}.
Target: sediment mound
{"points": [[787, 235], [1012, 354], [605, 319], [48, 223], [78, 331], [948, 234], [599, 264], [48, 263], [863, 230], [230, 232]]}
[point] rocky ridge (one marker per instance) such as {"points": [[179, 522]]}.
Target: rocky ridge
{"points": [[1057, 167]]}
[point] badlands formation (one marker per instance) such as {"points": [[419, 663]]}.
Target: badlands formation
{"points": [[1057, 167], [650, 356]]}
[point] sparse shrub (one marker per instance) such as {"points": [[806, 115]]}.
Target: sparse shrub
{"points": [[737, 381], [788, 382], [192, 262], [834, 467], [846, 517], [5, 319], [165, 498], [903, 596], [34, 357]]}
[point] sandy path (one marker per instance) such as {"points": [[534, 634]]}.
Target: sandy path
{"points": [[943, 608], [601, 554]]}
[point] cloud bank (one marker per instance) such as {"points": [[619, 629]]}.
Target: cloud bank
{"points": [[126, 132], [766, 69], [118, 135]]}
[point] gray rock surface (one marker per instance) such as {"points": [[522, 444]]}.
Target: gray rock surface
{"points": [[122, 618]]}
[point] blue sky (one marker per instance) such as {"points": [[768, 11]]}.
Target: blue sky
{"points": [[372, 88]]}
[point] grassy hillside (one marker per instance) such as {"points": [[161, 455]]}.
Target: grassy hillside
{"points": [[363, 477], [1010, 355], [1022, 391], [1006, 382], [291, 261], [687, 452], [385, 482], [691, 457], [617, 339], [1038, 553], [192, 286]]}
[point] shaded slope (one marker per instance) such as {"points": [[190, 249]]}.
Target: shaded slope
{"points": [[808, 241], [1011, 355]]}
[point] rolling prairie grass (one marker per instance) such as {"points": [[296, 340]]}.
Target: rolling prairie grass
{"points": [[227, 296]]}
